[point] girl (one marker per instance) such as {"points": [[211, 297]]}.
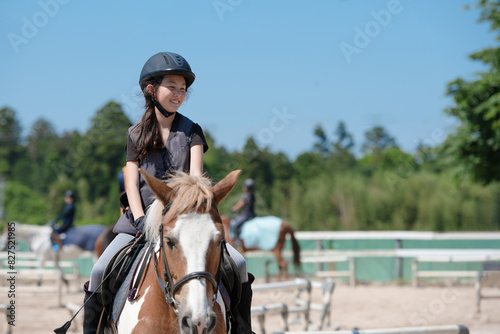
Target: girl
{"points": [[162, 142], [246, 205]]}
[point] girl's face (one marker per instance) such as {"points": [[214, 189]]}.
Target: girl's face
{"points": [[171, 93]]}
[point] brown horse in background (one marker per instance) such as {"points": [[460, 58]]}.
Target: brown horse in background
{"points": [[103, 240], [108, 235], [284, 229]]}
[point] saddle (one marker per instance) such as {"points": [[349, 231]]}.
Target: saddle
{"points": [[118, 269]]}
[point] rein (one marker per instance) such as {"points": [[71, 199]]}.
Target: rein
{"points": [[166, 283]]}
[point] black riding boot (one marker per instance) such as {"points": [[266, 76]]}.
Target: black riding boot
{"points": [[245, 305], [92, 311]]}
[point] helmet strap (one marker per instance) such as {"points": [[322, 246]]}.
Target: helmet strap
{"points": [[163, 111]]}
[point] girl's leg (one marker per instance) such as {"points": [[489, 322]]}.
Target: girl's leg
{"points": [[100, 266]]}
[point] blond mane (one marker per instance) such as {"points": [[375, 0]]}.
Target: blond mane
{"points": [[189, 194]]}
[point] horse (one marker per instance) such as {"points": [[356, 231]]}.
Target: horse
{"points": [[178, 291], [104, 239], [269, 234], [38, 237]]}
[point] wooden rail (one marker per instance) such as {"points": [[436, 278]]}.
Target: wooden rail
{"points": [[28, 272], [487, 279], [418, 255], [320, 260], [448, 256], [302, 305], [449, 329]]}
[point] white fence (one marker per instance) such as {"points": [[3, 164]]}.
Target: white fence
{"points": [[29, 276], [451, 329], [320, 256], [302, 303]]}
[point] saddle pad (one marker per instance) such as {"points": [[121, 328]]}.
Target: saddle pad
{"points": [[261, 232], [122, 294], [83, 236]]}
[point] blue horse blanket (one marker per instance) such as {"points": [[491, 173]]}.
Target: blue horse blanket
{"points": [[261, 232], [83, 236]]}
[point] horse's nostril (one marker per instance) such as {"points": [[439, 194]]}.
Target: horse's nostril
{"points": [[187, 324], [211, 322]]}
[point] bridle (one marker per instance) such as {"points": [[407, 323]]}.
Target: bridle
{"points": [[166, 283]]}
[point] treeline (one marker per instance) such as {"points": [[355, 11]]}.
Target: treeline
{"points": [[40, 168], [449, 187], [326, 188]]}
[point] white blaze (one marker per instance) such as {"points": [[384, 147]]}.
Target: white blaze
{"points": [[194, 232]]}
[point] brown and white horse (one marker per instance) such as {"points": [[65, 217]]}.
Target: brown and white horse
{"points": [[178, 291], [272, 229]]}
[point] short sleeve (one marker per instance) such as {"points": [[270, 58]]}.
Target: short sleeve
{"points": [[130, 149], [198, 138], [245, 197]]}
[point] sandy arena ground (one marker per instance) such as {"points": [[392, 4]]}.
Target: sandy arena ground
{"points": [[363, 307]]}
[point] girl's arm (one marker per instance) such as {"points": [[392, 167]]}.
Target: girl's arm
{"points": [[196, 163], [238, 206], [132, 189]]}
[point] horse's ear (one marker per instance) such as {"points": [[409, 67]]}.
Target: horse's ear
{"points": [[224, 186], [160, 189]]}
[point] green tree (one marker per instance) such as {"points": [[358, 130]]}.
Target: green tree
{"points": [[42, 147], [24, 205], [10, 133], [345, 140], [307, 165], [475, 146], [217, 162], [342, 156], [377, 140], [322, 145], [100, 154]]}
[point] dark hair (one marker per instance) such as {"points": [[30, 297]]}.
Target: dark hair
{"points": [[149, 139]]}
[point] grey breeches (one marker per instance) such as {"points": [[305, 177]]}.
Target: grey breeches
{"points": [[98, 270]]}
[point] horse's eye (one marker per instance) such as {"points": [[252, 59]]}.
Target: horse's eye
{"points": [[170, 243]]}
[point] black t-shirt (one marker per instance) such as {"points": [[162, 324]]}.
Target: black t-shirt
{"points": [[248, 209], [197, 138]]}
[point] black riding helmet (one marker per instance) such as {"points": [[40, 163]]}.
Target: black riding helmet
{"points": [[249, 183], [70, 193], [164, 63]]}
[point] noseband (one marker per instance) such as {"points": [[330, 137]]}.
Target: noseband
{"points": [[166, 283]]}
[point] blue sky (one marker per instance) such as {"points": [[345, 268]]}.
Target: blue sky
{"points": [[273, 70]]}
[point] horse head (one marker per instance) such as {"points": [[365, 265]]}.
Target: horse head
{"points": [[187, 228]]}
